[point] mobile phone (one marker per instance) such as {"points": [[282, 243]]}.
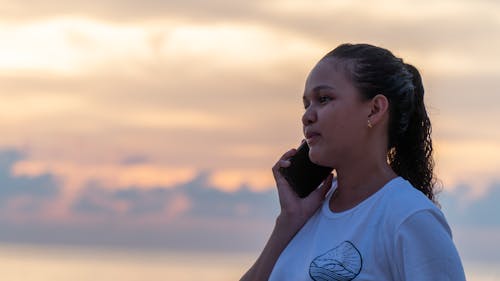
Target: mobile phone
{"points": [[303, 175]]}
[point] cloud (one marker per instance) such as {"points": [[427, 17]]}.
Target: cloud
{"points": [[135, 160], [461, 210], [437, 24], [241, 124], [127, 10], [193, 200], [40, 187], [474, 222], [24, 198], [253, 123], [193, 215], [441, 36]]}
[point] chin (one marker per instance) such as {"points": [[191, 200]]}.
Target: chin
{"points": [[321, 158], [317, 157]]}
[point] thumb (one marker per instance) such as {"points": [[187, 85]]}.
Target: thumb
{"points": [[321, 192]]}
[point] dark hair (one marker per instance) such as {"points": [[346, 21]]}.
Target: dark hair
{"points": [[374, 71]]}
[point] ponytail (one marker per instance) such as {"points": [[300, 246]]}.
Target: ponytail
{"points": [[411, 153], [375, 70]]}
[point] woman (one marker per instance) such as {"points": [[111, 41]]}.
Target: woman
{"points": [[365, 117]]}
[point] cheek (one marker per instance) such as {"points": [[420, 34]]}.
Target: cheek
{"points": [[343, 136], [351, 124]]}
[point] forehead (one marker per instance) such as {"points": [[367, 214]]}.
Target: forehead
{"points": [[328, 72]]}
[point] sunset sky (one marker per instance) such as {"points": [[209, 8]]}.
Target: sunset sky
{"points": [[170, 114]]}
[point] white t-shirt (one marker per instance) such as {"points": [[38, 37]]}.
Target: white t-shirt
{"points": [[395, 234]]}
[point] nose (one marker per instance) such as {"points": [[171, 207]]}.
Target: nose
{"points": [[309, 116]]}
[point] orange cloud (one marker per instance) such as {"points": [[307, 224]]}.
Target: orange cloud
{"points": [[473, 162], [232, 179], [75, 176]]}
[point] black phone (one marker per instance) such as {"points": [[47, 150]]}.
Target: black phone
{"points": [[303, 175]]}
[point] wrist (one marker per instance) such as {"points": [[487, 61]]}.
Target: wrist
{"points": [[290, 222]]}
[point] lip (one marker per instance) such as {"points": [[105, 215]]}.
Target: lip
{"points": [[311, 136]]}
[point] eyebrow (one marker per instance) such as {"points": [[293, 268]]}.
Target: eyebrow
{"points": [[318, 89], [322, 87]]}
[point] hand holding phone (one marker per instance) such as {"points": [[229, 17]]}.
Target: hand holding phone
{"points": [[303, 175]]}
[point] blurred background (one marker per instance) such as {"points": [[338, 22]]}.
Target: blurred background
{"points": [[137, 137]]}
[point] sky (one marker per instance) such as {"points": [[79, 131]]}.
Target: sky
{"points": [[146, 124]]}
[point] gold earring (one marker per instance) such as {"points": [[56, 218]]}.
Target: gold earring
{"points": [[370, 124]]}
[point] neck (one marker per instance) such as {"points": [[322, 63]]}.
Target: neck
{"points": [[358, 181]]}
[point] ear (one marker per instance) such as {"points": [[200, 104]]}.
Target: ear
{"points": [[379, 108]]}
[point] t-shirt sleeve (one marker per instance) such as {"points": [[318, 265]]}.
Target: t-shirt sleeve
{"points": [[424, 249]]}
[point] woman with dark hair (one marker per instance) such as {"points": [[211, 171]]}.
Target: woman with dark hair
{"points": [[377, 220]]}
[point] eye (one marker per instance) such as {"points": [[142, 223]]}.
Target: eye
{"points": [[324, 99], [306, 105]]}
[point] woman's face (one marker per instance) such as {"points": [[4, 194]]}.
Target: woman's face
{"points": [[336, 116]]}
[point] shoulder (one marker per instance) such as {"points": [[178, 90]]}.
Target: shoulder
{"points": [[403, 197], [421, 239], [403, 201]]}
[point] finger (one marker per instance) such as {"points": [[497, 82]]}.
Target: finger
{"points": [[278, 176], [285, 163], [284, 160], [327, 185], [324, 188], [289, 154], [280, 164]]}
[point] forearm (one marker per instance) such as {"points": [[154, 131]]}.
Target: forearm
{"points": [[283, 232], [294, 214]]}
